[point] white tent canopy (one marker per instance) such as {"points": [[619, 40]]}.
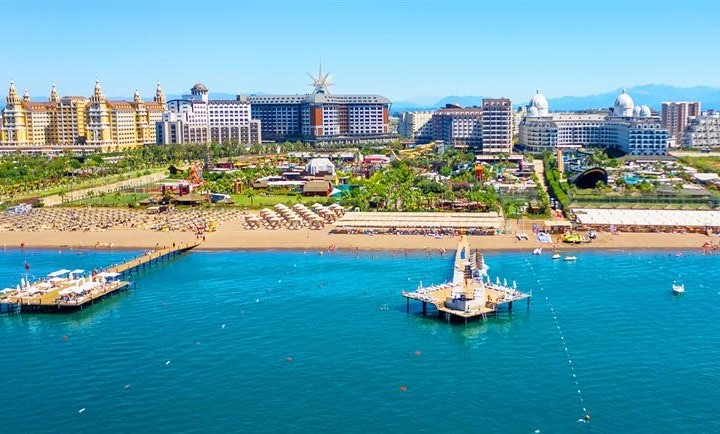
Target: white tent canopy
{"points": [[647, 217], [420, 220], [58, 273]]}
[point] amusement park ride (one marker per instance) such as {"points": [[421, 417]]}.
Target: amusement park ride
{"points": [[195, 178]]}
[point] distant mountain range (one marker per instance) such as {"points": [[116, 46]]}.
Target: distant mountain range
{"points": [[647, 94]]}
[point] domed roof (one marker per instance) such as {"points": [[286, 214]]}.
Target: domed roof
{"points": [[624, 101], [538, 100], [199, 87], [636, 111], [645, 111], [532, 112]]}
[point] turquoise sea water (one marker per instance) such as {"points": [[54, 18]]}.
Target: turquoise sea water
{"points": [[266, 342]]}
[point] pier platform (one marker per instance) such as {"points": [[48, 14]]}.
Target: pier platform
{"points": [[470, 294], [52, 301]]}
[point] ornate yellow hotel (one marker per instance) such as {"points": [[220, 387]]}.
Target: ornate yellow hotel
{"points": [[77, 123]]}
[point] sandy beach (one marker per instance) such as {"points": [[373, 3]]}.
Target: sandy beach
{"points": [[232, 236]]}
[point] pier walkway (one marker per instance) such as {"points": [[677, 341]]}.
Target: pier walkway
{"points": [[150, 258], [468, 295]]}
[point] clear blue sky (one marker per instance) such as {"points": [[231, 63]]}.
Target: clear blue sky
{"points": [[397, 48]]}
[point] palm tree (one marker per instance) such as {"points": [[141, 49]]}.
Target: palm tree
{"points": [[62, 192], [250, 193]]}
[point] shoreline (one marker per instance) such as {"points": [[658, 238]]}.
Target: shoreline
{"points": [[230, 238]]}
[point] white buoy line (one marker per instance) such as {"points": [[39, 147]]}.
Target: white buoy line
{"points": [[571, 364]]}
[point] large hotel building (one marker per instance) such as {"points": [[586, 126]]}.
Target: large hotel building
{"points": [[321, 117], [484, 130], [676, 117], [634, 129], [78, 124]]}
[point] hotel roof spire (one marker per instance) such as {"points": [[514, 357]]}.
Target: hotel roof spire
{"points": [[322, 82], [12, 97], [159, 95], [54, 96], [97, 96]]}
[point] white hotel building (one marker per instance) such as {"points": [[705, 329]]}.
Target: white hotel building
{"points": [[634, 129], [703, 131], [197, 119], [415, 124]]}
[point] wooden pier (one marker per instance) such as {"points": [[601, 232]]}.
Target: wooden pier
{"points": [[54, 298], [151, 258], [467, 296]]}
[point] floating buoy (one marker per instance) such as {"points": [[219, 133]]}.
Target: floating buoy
{"points": [[65, 337], [288, 359], [223, 326], [403, 388], [81, 410], [417, 353], [168, 362], [127, 386]]}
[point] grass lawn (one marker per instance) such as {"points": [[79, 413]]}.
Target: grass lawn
{"points": [[706, 164], [88, 183], [112, 200], [257, 202]]}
